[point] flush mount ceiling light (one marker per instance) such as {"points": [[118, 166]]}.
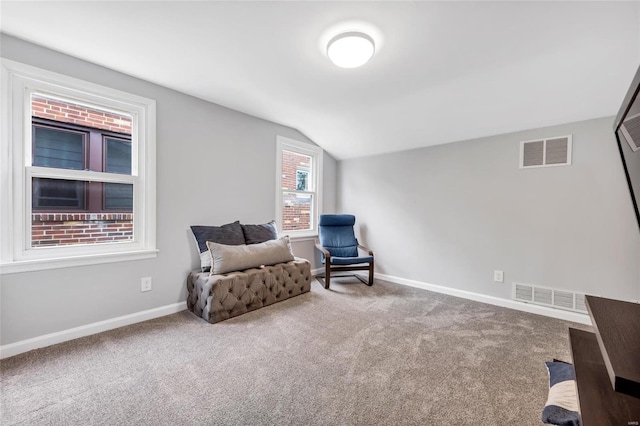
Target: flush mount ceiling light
{"points": [[350, 50]]}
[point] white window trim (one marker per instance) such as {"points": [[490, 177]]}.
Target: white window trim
{"points": [[316, 153], [18, 82]]}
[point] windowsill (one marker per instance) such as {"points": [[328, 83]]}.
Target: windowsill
{"points": [[303, 237], [73, 261]]}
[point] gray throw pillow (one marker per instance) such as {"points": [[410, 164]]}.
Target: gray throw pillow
{"points": [[256, 234], [227, 258], [230, 234]]}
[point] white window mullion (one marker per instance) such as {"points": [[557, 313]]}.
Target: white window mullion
{"points": [[296, 191], [80, 175]]}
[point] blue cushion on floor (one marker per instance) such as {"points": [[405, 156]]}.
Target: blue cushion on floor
{"points": [[562, 404]]}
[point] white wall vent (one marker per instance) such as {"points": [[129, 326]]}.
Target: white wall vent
{"points": [[631, 131], [548, 152], [581, 304], [551, 297]]}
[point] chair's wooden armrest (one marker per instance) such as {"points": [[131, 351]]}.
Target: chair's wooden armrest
{"points": [[324, 251], [365, 249]]}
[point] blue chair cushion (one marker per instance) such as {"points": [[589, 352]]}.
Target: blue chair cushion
{"points": [[337, 220], [335, 232], [335, 260]]}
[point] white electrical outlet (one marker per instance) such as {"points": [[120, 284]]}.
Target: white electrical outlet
{"points": [[145, 284], [498, 276]]}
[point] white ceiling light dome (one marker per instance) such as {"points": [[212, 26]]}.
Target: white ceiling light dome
{"points": [[351, 49]]}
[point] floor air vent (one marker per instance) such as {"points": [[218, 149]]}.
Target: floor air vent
{"points": [[551, 297]]}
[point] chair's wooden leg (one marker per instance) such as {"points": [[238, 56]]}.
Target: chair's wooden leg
{"points": [[327, 274], [370, 274]]}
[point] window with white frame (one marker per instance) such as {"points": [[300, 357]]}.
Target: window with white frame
{"points": [[298, 184], [78, 185]]}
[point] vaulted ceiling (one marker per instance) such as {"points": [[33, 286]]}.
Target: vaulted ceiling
{"points": [[442, 72]]}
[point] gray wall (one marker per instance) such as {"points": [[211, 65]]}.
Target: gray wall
{"points": [[215, 165], [451, 214]]}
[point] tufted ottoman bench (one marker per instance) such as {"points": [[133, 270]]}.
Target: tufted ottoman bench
{"points": [[219, 297]]}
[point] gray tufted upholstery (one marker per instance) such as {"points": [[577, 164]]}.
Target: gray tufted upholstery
{"points": [[219, 297]]}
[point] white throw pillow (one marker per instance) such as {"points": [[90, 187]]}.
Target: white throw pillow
{"points": [[226, 258]]}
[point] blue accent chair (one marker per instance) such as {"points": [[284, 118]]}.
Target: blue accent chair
{"points": [[339, 247]]}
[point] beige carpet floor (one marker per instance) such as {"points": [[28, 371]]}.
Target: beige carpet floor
{"points": [[353, 355]]}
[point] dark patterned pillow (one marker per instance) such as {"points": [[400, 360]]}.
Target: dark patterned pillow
{"points": [[562, 404], [230, 234], [256, 234]]}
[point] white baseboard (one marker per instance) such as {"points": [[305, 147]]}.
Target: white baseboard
{"points": [[98, 327], [497, 301], [86, 330]]}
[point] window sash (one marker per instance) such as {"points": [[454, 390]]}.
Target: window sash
{"points": [[101, 151], [73, 175], [80, 176]]}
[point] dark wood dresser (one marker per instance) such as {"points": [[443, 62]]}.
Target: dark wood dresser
{"points": [[607, 364]]}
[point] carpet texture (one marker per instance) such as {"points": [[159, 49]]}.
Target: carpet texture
{"points": [[381, 355]]}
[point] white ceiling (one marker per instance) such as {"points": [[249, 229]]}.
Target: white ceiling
{"points": [[443, 71]]}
